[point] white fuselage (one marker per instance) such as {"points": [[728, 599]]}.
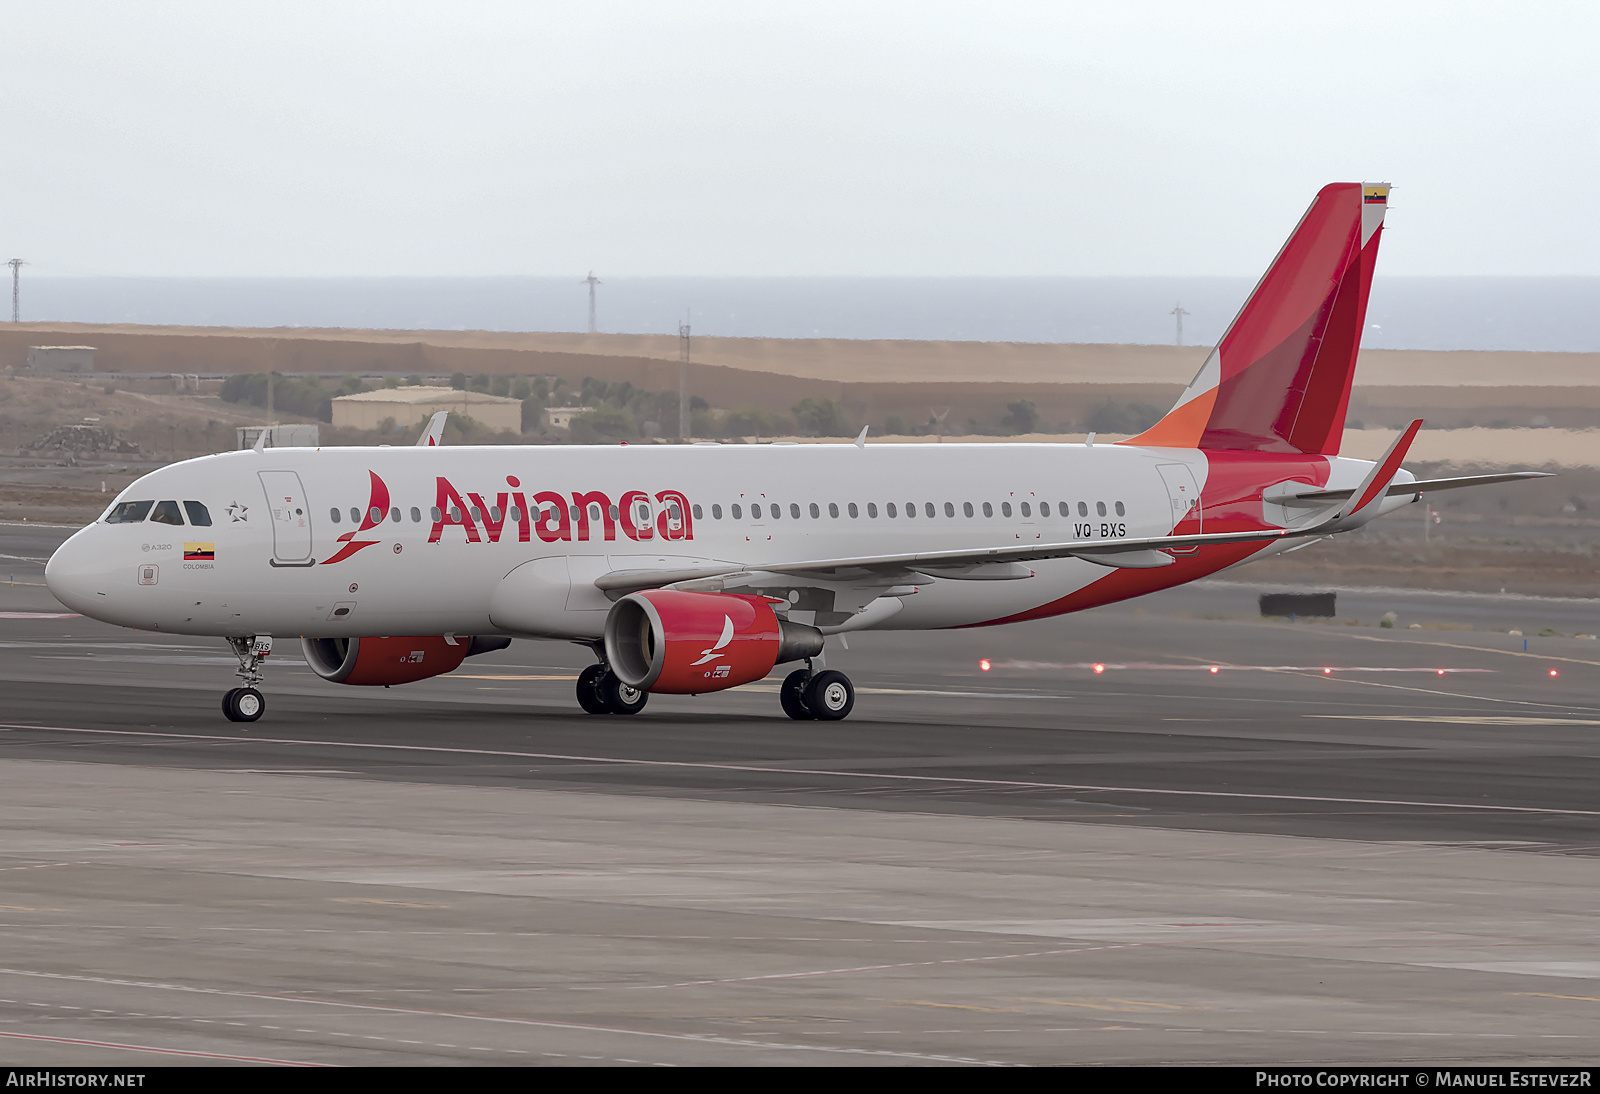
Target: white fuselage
{"points": [[294, 549]]}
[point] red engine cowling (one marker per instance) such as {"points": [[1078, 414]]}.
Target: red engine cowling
{"points": [[685, 643], [383, 661]]}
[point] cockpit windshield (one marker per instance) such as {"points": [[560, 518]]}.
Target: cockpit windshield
{"points": [[167, 513], [199, 515], [129, 512]]}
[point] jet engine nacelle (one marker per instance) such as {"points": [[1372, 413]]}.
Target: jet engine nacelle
{"points": [[683, 643], [379, 662]]}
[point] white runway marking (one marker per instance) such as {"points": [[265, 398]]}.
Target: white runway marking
{"points": [[901, 780]]}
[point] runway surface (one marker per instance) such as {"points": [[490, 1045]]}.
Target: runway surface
{"points": [[1347, 844]]}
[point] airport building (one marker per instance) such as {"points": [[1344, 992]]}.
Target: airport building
{"points": [[412, 406], [297, 435], [53, 359]]}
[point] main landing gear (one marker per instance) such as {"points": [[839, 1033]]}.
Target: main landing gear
{"points": [[600, 692], [825, 696], [247, 704]]}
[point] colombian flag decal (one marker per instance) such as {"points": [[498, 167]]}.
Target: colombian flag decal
{"points": [[199, 552]]}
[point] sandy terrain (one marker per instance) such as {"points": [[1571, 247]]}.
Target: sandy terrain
{"points": [[833, 360]]}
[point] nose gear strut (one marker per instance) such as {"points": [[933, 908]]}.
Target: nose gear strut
{"points": [[247, 704]]}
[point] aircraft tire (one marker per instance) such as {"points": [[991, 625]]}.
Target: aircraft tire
{"points": [[244, 705], [830, 696], [618, 697], [792, 695], [588, 692]]}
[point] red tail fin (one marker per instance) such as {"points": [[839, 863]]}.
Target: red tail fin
{"points": [[1279, 381]]}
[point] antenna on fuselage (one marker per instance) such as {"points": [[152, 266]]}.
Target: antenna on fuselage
{"points": [[433, 435]]}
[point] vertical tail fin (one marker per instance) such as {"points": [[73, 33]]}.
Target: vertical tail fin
{"points": [[1279, 381]]}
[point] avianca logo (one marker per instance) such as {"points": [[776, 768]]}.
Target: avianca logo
{"points": [[560, 518], [378, 503], [722, 643], [555, 518]]}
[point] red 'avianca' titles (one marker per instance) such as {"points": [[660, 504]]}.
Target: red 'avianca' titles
{"points": [[556, 519]]}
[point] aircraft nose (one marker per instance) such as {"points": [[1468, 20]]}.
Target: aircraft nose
{"points": [[76, 576]]}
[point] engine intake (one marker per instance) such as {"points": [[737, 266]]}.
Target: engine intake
{"points": [[380, 662], [684, 643]]}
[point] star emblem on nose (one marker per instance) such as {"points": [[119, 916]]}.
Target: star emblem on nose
{"points": [[239, 512]]}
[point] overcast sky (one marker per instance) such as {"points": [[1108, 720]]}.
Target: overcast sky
{"points": [[789, 139]]}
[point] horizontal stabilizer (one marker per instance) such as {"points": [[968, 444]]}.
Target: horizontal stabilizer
{"points": [[1317, 498]]}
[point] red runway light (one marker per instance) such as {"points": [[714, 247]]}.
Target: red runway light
{"points": [[1213, 669], [1441, 672], [1098, 668], [983, 664], [1327, 672], [1554, 673]]}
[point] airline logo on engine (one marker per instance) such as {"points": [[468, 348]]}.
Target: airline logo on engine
{"points": [[722, 643]]}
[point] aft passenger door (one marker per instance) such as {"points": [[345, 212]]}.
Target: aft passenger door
{"points": [[291, 518], [1184, 494]]}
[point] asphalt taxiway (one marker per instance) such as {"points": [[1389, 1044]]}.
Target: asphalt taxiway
{"points": [[1346, 844]]}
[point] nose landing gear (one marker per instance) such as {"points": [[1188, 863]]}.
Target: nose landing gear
{"points": [[247, 704]]}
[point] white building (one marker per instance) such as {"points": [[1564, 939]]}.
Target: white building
{"points": [[560, 417], [278, 436], [47, 359]]}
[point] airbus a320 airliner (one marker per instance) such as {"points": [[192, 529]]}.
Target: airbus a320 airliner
{"points": [[695, 568]]}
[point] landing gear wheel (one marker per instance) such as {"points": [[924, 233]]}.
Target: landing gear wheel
{"points": [[620, 698], [243, 705], [830, 696], [793, 695], [588, 695]]}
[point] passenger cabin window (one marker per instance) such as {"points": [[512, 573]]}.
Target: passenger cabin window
{"points": [[129, 512], [777, 510], [1121, 512], [716, 512], [833, 509], [794, 510], [911, 509], [966, 508], [1100, 508], [394, 515], [988, 510], [199, 515], [927, 507], [1026, 510], [853, 511], [735, 510], [889, 510], [695, 509], [872, 510], [435, 514], [333, 514], [166, 512], [815, 512], [1083, 508], [1005, 509], [375, 514], [416, 515], [949, 509], [355, 515]]}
